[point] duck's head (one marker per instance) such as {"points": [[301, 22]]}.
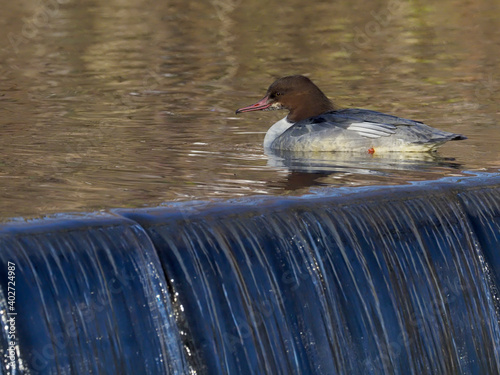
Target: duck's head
{"points": [[296, 93]]}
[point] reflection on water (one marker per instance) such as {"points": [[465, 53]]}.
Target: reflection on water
{"points": [[307, 169], [358, 163], [131, 103]]}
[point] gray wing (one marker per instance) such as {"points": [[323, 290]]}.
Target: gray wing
{"points": [[334, 123], [373, 116]]}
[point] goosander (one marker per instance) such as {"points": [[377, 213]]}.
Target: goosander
{"points": [[314, 124]]}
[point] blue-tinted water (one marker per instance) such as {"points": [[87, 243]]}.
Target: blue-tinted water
{"points": [[396, 280], [91, 298]]}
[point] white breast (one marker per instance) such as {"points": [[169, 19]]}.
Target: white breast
{"points": [[275, 131]]}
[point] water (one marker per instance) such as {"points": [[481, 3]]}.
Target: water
{"points": [[392, 285], [131, 104], [400, 280], [483, 208], [90, 299], [121, 104]]}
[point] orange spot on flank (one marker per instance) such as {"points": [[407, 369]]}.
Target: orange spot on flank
{"points": [[371, 151]]}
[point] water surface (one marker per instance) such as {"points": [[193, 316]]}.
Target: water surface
{"points": [[131, 103]]}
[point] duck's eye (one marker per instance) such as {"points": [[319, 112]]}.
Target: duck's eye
{"points": [[278, 94]]}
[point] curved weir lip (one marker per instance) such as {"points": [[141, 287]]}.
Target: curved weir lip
{"points": [[337, 195]]}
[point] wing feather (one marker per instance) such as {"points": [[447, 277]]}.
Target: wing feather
{"points": [[372, 129]]}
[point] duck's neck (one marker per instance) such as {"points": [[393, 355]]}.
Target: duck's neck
{"points": [[275, 131], [308, 104]]}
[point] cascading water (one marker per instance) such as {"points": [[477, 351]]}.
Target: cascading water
{"points": [[483, 211], [90, 299], [389, 286], [395, 280]]}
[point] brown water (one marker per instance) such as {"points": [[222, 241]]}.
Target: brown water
{"points": [[131, 103]]}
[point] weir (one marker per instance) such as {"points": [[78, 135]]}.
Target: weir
{"points": [[400, 280]]}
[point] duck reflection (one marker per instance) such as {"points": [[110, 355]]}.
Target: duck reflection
{"points": [[308, 168]]}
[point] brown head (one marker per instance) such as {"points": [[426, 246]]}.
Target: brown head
{"points": [[297, 94]]}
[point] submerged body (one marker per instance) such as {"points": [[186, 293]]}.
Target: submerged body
{"points": [[313, 124]]}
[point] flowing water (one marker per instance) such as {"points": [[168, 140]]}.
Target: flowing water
{"points": [[318, 289], [131, 103], [384, 281], [91, 299]]}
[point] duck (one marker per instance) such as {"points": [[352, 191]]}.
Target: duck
{"points": [[313, 123]]}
